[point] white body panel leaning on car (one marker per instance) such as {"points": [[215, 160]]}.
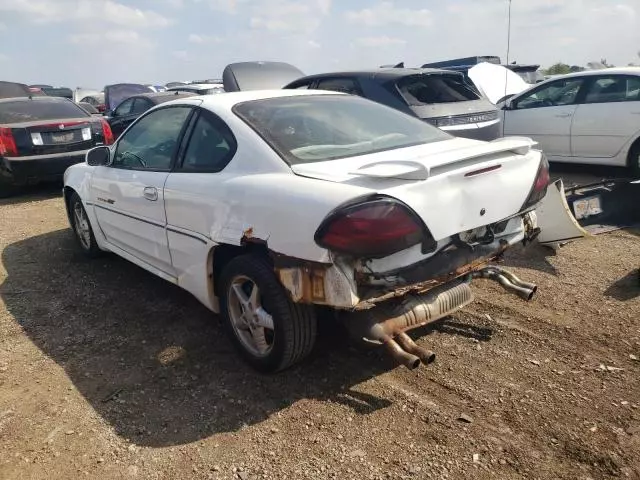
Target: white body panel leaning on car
{"points": [[588, 117]]}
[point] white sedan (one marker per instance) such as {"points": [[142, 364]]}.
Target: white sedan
{"points": [[266, 204], [589, 117]]}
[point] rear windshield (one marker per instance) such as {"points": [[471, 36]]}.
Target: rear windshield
{"points": [[316, 128], [430, 89], [19, 111]]}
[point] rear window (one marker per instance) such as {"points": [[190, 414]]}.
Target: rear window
{"points": [[430, 89], [19, 111], [317, 128]]}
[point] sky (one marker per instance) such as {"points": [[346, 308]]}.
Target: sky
{"points": [[91, 43]]}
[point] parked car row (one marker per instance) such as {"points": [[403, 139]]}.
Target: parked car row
{"points": [[586, 117]]}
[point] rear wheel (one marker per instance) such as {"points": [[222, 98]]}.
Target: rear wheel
{"points": [[82, 227], [270, 331]]}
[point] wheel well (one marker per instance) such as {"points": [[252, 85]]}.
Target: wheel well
{"points": [[635, 146], [67, 192], [224, 253]]}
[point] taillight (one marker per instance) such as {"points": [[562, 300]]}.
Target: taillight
{"points": [[107, 133], [539, 189], [373, 228], [7, 143]]}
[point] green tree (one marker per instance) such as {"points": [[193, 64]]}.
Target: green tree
{"points": [[558, 69]]}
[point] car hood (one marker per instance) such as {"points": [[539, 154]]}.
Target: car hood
{"points": [[444, 182], [115, 94], [495, 81]]}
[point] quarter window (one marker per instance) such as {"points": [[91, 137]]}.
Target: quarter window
{"points": [[151, 143], [616, 88], [556, 94], [211, 145]]}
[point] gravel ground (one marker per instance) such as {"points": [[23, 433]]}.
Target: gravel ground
{"points": [[109, 372]]}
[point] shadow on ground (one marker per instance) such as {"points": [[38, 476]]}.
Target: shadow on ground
{"points": [[627, 288], [151, 360], [34, 193]]}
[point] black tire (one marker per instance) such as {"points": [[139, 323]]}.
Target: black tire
{"points": [[295, 325], [634, 160], [89, 246]]}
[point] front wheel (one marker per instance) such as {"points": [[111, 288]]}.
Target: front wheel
{"points": [[270, 331], [82, 227]]}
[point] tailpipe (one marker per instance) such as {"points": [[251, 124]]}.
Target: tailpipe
{"points": [[407, 343], [387, 323], [509, 281], [400, 356]]}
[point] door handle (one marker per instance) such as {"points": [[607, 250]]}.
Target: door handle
{"points": [[150, 193], [564, 115]]}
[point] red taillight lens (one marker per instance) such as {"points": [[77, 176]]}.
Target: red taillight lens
{"points": [[7, 143], [539, 189], [107, 133], [374, 228]]}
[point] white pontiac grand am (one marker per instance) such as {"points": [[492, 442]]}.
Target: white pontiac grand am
{"points": [[266, 204]]}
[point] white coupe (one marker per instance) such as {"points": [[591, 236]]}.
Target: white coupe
{"points": [[266, 204]]}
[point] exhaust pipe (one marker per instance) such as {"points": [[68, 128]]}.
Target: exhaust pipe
{"points": [[406, 342], [387, 323], [515, 280], [401, 356], [509, 281]]}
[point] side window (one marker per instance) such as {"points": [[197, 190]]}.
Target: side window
{"points": [[345, 85], [555, 94], [125, 107], [141, 105], [151, 143], [211, 145], [615, 88]]}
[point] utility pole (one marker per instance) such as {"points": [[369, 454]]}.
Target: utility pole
{"points": [[509, 34]]}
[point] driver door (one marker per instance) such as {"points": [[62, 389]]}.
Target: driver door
{"points": [[129, 194], [545, 115]]}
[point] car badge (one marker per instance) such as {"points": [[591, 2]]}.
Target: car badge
{"points": [[61, 126]]}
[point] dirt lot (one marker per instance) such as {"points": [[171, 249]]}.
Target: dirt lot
{"points": [[109, 372]]}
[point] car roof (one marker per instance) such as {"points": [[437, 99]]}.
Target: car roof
{"points": [[159, 97], [36, 98], [196, 86], [379, 73], [230, 99], [604, 71]]}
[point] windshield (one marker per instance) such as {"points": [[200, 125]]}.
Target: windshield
{"points": [[429, 89], [19, 111], [316, 128]]}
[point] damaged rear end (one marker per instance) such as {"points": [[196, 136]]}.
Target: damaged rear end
{"points": [[405, 255]]}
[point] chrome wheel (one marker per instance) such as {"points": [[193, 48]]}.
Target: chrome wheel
{"points": [[81, 225], [251, 323]]}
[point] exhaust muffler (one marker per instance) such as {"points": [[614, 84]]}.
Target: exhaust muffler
{"points": [[387, 323]]}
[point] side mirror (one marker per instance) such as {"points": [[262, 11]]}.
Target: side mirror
{"points": [[99, 156]]}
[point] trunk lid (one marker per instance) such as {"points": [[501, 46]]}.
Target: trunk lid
{"points": [[244, 76], [45, 137], [454, 185]]}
